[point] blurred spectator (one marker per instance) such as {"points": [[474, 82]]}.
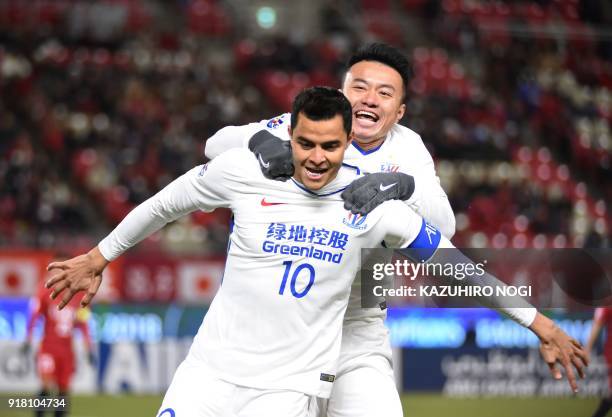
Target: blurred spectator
{"points": [[55, 359]]}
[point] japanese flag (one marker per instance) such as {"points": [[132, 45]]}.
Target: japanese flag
{"points": [[18, 277], [198, 280]]}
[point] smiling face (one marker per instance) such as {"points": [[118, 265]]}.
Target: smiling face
{"points": [[375, 92], [318, 150]]}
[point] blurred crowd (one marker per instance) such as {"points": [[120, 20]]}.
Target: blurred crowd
{"points": [[103, 103], [97, 117]]}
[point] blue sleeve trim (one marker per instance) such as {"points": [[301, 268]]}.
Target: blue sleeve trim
{"points": [[425, 244]]}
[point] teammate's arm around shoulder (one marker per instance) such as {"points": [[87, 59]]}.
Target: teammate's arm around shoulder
{"points": [[416, 184], [229, 137], [268, 140]]}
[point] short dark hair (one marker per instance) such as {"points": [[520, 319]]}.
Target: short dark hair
{"points": [[322, 103], [387, 55]]}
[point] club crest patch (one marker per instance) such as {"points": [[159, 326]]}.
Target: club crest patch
{"points": [[275, 122], [389, 167], [355, 221]]}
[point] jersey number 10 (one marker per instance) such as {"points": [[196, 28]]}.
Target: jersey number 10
{"points": [[294, 277]]}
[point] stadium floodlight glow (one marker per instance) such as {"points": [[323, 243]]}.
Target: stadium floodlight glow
{"points": [[266, 17]]}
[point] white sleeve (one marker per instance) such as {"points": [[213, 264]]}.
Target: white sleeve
{"points": [[230, 137], [402, 224], [414, 233], [238, 136], [204, 187], [522, 315], [429, 199]]}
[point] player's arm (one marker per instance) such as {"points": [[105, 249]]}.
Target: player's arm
{"points": [[204, 187], [421, 242], [422, 192], [268, 142], [596, 328], [82, 323], [230, 137], [37, 308]]}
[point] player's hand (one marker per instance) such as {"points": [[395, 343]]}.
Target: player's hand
{"points": [[274, 155], [81, 273], [557, 347], [368, 192]]}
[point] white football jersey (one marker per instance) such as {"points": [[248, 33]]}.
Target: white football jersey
{"points": [[402, 151], [276, 321]]}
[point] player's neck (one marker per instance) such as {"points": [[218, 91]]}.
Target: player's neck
{"points": [[323, 189], [367, 146]]}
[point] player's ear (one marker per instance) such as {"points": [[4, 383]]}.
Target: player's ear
{"points": [[400, 112], [290, 131], [350, 138]]}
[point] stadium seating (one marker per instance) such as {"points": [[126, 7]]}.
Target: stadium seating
{"points": [[106, 115]]}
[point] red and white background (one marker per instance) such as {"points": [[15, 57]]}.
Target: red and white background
{"points": [[137, 278]]}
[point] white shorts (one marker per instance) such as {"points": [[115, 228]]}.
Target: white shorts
{"points": [[365, 384], [193, 392]]}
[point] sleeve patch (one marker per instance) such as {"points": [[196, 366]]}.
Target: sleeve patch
{"points": [[276, 122]]}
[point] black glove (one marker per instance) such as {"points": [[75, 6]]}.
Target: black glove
{"points": [[274, 155], [366, 193], [25, 348]]}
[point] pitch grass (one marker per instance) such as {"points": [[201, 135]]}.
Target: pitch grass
{"points": [[415, 405]]}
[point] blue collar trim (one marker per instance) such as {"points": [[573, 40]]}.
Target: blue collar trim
{"points": [[300, 186], [355, 167], [364, 152]]}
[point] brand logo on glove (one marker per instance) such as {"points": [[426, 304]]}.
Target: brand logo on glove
{"points": [[262, 162], [268, 203], [386, 187]]}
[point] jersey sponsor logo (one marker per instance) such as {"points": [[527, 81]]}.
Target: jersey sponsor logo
{"points": [[310, 242], [203, 169], [275, 122], [269, 203], [355, 221], [302, 251], [386, 187], [389, 167]]}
